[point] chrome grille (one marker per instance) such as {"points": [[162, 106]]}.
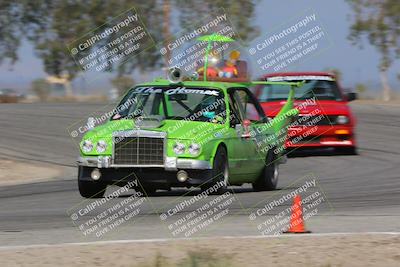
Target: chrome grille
{"points": [[138, 150]]}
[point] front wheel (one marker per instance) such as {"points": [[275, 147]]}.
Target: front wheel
{"points": [[147, 191], [89, 189], [268, 179], [220, 173]]}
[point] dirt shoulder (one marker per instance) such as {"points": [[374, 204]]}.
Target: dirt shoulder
{"points": [[316, 250], [15, 172]]}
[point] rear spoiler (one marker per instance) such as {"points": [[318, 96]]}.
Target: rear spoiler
{"points": [[280, 123], [288, 109], [292, 85]]}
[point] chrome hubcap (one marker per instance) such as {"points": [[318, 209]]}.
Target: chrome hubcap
{"points": [[226, 174], [276, 173]]}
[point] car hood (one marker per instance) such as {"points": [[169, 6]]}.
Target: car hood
{"points": [[175, 129], [326, 107]]}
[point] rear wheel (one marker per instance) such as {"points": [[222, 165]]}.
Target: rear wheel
{"points": [[220, 173], [268, 179]]}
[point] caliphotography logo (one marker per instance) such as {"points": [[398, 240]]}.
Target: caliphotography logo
{"points": [[299, 39], [289, 212], [101, 216]]}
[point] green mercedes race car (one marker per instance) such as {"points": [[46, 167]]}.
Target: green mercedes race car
{"points": [[184, 133]]}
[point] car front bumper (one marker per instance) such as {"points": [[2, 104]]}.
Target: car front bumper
{"points": [[170, 163], [163, 176], [321, 136]]}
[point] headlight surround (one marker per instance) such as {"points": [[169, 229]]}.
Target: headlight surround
{"points": [[342, 119], [179, 148], [194, 149], [101, 146], [87, 146]]}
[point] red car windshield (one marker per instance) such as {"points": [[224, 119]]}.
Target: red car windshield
{"points": [[320, 89]]}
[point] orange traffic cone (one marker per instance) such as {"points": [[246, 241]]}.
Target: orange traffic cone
{"points": [[296, 220]]}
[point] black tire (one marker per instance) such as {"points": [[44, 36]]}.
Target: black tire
{"points": [[147, 191], [220, 172], [90, 189], [346, 150], [268, 179]]}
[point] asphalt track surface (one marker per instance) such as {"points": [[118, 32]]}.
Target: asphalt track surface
{"points": [[361, 193]]}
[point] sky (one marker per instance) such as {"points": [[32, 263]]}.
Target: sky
{"points": [[357, 65]]}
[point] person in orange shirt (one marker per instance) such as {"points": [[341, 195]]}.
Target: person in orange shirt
{"points": [[230, 70]]}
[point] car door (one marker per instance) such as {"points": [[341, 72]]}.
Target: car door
{"points": [[245, 114]]}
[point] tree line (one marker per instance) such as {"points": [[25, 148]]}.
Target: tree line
{"points": [[51, 24]]}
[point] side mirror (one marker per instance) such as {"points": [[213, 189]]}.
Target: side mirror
{"points": [[246, 128], [351, 96]]}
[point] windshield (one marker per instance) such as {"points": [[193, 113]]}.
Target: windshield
{"points": [[175, 103], [320, 89]]}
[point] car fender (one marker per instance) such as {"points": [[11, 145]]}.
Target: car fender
{"points": [[214, 151]]}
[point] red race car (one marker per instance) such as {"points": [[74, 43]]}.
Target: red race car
{"points": [[325, 119]]}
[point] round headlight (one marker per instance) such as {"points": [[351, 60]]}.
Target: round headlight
{"points": [[342, 120], [194, 149], [87, 146], [179, 148], [101, 146]]}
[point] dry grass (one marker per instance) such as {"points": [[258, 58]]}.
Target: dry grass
{"points": [[356, 250], [205, 258]]}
